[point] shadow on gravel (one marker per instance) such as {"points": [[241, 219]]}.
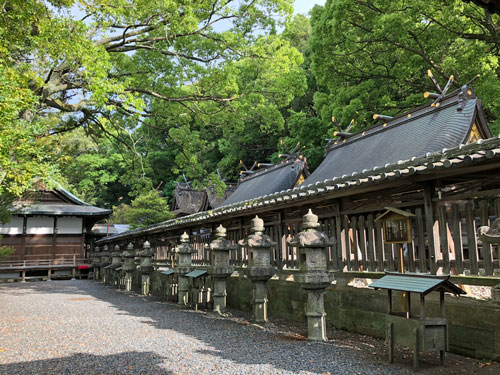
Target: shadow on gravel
{"points": [[130, 363], [236, 340]]}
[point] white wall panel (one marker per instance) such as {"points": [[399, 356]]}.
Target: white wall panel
{"points": [[69, 225], [40, 225], [15, 226]]}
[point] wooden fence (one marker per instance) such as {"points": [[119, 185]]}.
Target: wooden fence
{"points": [[445, 243]]}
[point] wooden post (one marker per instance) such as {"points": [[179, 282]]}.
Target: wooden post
{"points": [[347, 243], [49, 272], [443, 239], [23, 276], [371, 241], [390, 342], [471, 237], [23, 239], [457, 237], [338, 236], [441, 304], [486, 248], [422, 262], [354, 239], [429, 224], [422, 306], [389, 306], [408, 305], [54, 239], [401, 263]]}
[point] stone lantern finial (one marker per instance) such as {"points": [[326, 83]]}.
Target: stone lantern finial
{"points": [[117, 247], [146, 245], [130, 246], [220, 232], [310, 221], [184, 238], [257, 225], [105, 248]]}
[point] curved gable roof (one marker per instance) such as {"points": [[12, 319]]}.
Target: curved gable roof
{"points": [[279, 177], [424, 130]]}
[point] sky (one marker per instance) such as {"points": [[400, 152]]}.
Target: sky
{"points": [[304, 6]]}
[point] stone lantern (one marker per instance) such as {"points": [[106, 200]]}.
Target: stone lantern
{"points": [[96, 262], [313, 276], [105, 262], [129, 266], [220, 269], [146, 267], [259, 270], [184, 253], [116, 264]]}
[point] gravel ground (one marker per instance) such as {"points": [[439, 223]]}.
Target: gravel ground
{"points": [[83, 327]]}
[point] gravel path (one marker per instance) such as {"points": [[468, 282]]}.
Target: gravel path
{"points": [[83, 327]]}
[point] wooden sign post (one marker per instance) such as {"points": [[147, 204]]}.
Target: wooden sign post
{"points": [[397, 230]]}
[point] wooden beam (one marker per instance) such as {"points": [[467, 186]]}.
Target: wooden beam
{"points": [[429, 224]]}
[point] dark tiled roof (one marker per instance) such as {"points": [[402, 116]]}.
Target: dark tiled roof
{"points": [[426, 129], [493, 6], [215, 201], [102, 229], [188, 201], [62, 210], [270, 180], [66, 204], [462, 155]]}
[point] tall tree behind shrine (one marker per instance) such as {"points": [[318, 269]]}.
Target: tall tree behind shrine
{"points": [[372, 56], [113, 67]]}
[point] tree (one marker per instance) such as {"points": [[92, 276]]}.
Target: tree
{"points": [[302, 121], [148, 208], [372, 56], [125, 61], [5, 251]]}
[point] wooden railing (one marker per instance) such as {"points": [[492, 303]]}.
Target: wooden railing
{"points": [[45, 263]]}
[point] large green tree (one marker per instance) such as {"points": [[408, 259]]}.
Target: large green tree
{"points": [[148, 208], [372, 55], [112, 66]]}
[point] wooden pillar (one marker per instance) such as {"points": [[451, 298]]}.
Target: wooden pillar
{"points": [[429, 224], [408, 305], [54, 238], [279, 240], [23, 238], [390, 342], [389, 305], [83, 253], [422, 306], [401, 261], [441, 304]]}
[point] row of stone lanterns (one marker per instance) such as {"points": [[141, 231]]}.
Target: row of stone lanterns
{"points": [[313, 275]]}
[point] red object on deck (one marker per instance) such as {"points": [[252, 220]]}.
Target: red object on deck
{"points": [[83, 267]]}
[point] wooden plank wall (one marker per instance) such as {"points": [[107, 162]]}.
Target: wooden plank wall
{"points": [[44, 247]]}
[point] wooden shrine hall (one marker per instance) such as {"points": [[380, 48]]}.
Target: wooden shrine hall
{"points": [[438, 162], [49, 227]]}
